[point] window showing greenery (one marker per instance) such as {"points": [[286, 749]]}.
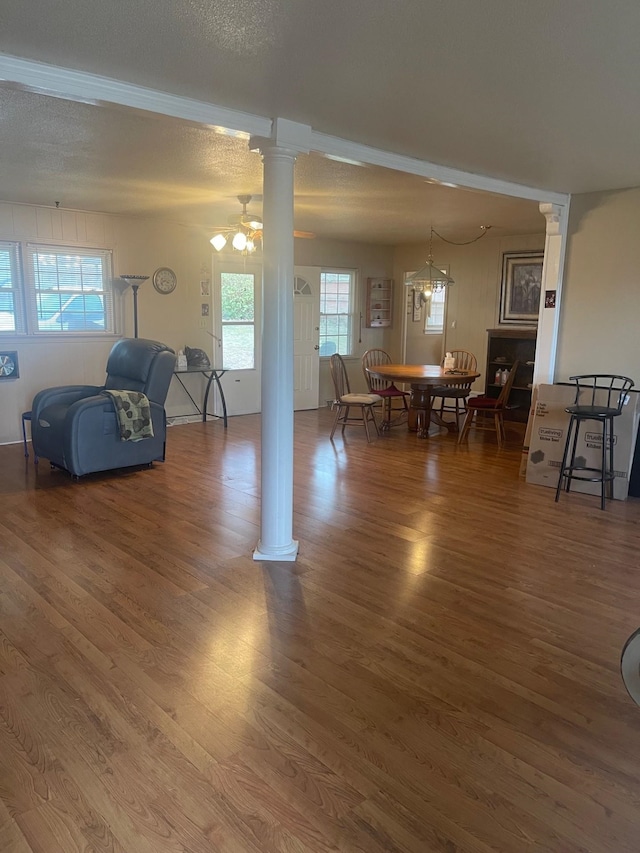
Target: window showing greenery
{"points": [[237, 293], [11, 314], [337, 298]]}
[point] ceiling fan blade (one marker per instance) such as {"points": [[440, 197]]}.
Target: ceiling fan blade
{"points": [[304, 235]]}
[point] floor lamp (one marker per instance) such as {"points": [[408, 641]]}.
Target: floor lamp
{"points": [[135, 281]]}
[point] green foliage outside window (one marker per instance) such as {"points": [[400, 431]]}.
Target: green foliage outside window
{"points": [[237, 297], [237, 292]]}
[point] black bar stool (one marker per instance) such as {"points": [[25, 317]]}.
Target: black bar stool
{"points": [[611, 394]]}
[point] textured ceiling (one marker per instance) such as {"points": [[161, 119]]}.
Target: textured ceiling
{"points": [[543, 94], [119, 160]]}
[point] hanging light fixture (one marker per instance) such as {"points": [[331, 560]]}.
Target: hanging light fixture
{"points": [[429, 279]]}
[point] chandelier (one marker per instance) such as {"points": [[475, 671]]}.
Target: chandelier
{"points": [[429, 278], [244, 230]]}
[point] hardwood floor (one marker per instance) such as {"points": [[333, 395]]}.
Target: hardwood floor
{"points": [[439, 671]]}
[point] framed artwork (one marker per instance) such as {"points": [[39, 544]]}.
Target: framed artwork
{"points": [[521, 288]]}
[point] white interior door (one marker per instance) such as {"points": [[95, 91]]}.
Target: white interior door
{"points": [[306, 325]]}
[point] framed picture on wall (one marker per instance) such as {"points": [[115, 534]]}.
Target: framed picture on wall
{"points": [[521, 288]]}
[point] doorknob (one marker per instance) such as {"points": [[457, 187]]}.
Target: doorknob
{"points": [[317, 346]]}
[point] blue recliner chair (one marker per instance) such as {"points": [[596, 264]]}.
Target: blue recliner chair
{"points": [[75, 427]]}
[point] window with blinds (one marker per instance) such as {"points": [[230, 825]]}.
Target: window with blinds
{"points": [[11, 303], [337, 301], [69, 290]]}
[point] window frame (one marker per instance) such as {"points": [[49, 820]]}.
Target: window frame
{"points": [[30, 251], [235, 269], [429, 329], [351, 314]]}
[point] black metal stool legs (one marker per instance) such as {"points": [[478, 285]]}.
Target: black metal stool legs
{"points": [[563, 464], [570, 471]]}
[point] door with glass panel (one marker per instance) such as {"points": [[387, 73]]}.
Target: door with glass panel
{"points": [[236, 342], [237, 332]]}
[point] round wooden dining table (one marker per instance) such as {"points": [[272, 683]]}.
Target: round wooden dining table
{"points": [[423, 378]]}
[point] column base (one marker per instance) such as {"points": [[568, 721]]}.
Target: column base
{"points": [[286, 554]]}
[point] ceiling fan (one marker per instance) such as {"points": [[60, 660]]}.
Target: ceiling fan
{"points": [[244, 230]]}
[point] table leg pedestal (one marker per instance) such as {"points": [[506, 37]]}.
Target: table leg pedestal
{"points": [[421, 405], [422, 415]]}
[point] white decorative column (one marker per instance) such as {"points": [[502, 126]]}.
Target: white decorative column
{"points": [[555, 244], [549, 317], [276, 520]]}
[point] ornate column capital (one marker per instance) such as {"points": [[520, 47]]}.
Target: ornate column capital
{"points": [[554, 214]]}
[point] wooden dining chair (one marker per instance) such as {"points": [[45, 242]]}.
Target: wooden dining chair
{"points": [[456, 394], [345, 401], [488, 412], [384, 388]]}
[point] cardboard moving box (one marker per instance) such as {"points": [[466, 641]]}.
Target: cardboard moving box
{"points": [[549, 434]]}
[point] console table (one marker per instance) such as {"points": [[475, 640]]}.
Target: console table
{"points": [[212, 375]]}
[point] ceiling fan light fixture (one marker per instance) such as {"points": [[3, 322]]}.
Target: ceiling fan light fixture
{"points": [[239, 241], [243, 231], [218, 241]]}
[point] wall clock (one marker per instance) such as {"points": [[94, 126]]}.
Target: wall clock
{"points": [[9, 365], [164, 280]]}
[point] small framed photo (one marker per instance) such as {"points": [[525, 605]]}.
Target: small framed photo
{"points": [[521, 288]]}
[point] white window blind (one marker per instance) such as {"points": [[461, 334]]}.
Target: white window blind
{"points": [[11, 303], [69, 290], [337, 300]]}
